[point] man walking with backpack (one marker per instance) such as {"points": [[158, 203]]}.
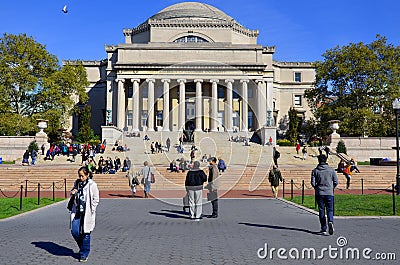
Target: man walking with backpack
{"points": [[274, 178]]}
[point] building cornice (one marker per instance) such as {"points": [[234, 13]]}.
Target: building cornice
{"points": [[85, 63], [293, 64]]}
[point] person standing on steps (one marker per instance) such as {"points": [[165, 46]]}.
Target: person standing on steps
{"points": [[276, 155], [304, 151], [324, 180]]}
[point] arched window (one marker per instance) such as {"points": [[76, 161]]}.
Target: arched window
{"points": [[190, 39]]}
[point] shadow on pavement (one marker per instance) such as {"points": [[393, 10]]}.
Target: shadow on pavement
{"points": [[172, 214], [256, 195], [281, 228], [55, 249], [123, 195]]}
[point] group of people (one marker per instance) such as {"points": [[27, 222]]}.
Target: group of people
{"points": [[25, 157], [347, 168], [108, 165]]}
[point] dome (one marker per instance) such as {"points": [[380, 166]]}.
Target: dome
{"points": [[192, 10]]}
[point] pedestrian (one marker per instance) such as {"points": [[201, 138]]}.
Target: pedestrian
{"points": [[297, 147], [221, 165], [34, 155], [85, 197], [43, 147], [146, 179], [127, 164], [274, 178], [25, 158], [133, 181], [168, 144], [195, 179], [276, 155], [324, 180], [304, 151], [213, 186]]}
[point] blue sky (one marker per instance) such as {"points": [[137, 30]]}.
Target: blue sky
{"points": [[300, 30]]}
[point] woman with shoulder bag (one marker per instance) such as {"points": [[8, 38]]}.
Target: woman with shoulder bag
{"points": [[146, 179], [83, 212]]}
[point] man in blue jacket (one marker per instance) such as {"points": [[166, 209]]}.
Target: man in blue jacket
{"points": [[324, 180]]}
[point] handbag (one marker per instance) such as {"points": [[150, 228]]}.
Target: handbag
{"points": [[212, 196], [71, 203], [135, 181], [152, 178]]}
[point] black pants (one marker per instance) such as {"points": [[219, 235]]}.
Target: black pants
{"points": [[215, 207]]}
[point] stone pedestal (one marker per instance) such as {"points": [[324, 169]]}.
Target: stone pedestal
{"points": [[266, 133], [41, 137]]}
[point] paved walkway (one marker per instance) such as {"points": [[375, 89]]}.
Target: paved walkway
{"points": [[138, 231]]}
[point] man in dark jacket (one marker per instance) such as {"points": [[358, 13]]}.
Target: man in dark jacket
{"points": [[195, 179], [274, 178], [324, 180]]}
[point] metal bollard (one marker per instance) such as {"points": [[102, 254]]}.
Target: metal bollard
{"points": [[65, 188], [38, 191], [20, 199], [283, 189], [302, 193], [394, 199], [362, 186], [26, 188], [54, 197], [291, 189]]}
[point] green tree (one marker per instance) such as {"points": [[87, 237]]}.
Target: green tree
{"points": [[85, 133], [357, 84], [293, 131], [34, 85], [341, 147]]}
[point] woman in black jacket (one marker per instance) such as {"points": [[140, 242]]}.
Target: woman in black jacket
{"points": [[195, 179]]}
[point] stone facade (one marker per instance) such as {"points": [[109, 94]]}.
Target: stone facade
{"points": [[191, 66]]}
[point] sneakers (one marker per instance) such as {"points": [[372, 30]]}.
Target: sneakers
{"points": [[83, 259], [330, 228], [323, 233]]}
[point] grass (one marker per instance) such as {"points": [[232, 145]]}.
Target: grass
{"points": [[10, 206], [357, 205], [8, 162], [365, 163]]}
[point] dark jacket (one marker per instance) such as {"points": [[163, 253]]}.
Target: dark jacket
{"points": [[195, 179], [213, 178], [324, 179], [274, 177]]}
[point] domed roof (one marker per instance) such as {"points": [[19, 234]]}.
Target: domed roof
{"points": [[192, 10]]}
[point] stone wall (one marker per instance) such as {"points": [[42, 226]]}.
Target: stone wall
{"points": [[13, 147]]}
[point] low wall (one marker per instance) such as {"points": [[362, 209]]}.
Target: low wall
{"points": [[13, 147], [363, 148]]}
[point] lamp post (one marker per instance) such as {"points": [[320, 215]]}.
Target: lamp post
{"points": [[396, 108]]}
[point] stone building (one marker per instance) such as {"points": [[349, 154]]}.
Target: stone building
{"points": [[191, 66]]}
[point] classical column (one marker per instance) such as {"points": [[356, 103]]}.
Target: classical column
{"points": [[121, 115], [214, 105], [245, 106], [229, 103], [166, 105], [199, 103], [136, 109], [109, 107], [150, 105], [261, 103], [181, 104]]}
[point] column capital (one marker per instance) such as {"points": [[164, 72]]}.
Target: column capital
{"points": [[122, 80], [166, 80], [229, 81], [180, 81], [133, 80], [150, 80], [198, 80], [214, 80], [244, 81], [258, 81]]}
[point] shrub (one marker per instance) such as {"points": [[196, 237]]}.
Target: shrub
{"points": [[284, 142], [341, 147], [33, 145]]}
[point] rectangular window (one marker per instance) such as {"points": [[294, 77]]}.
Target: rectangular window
{"points": [[130, 92], [159, 119], [297, 77], [235, 116], [250, 92], [221, 92], [144, 118], [297, 100], [221, 122], [145, 93], [130, 118], [250, 120]]}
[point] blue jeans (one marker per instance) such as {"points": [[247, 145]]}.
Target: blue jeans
{"points": [[147, 186], [83, 240], [33, 160], [325, 202]]}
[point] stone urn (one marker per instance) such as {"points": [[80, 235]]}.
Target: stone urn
{"points": [[42, 124], [334, 125]]}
